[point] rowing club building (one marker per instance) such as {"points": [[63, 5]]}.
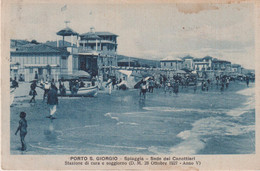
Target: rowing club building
{"points": [[93, 52]]}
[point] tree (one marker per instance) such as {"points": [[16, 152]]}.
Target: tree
{"points": [[35, 42]]}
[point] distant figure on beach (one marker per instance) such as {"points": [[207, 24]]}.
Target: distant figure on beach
{"points": [[109, 86], [113, 82], [23, 129], [36, 77], [62, 88], [247, 81], [151, 85], [206, 85], [227, 82], [46, 88], [202, 86], [81, 83], [217, 81], [143, 89], [122, 85], [222, 86], [52, 101], [93, 81], [33, 92], [53, 82], [195, 87], [14, 83], [176, 87], [167, 87]]}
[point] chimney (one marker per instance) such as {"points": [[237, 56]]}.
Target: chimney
{"points": [[92, 29]]}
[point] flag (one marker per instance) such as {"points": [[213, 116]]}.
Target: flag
{"points": [[64, 8]]}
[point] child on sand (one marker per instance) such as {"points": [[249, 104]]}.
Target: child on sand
{"points": [[23, 129]]}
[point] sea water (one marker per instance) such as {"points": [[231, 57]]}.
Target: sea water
{"points": [[122, 123]]}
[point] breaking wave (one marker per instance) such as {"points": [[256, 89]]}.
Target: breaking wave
{"points": [[172, 109], [196, 138]]}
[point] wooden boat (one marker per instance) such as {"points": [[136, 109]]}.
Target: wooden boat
{"points": [[11, 96], [82, 92]]}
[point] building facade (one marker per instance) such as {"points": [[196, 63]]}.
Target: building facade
{"points": [[188, 63], [97, 51], [221, 65], [171, 63], [31, 59], [236, 68], [91, 52], [203, 64]]}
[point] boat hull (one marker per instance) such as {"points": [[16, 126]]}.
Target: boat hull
{"points": [[82, 92], [12, 96]]}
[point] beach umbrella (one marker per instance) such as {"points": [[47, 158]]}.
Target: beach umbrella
{"points": [[180, 72], [146, 78]]}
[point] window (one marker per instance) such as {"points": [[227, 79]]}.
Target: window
{"points": [[171, 63], [164, 63], [31, 70]]}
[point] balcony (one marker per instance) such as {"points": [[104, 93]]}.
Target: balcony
{"points": [[98, 41], [89, 51]]}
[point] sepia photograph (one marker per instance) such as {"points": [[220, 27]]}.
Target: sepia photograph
{"points": [[146, 79]]}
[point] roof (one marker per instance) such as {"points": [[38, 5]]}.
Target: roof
{"points": [[171, 59], [54, 43], [40, 65], [197, 59], [39, 48], [207, 57], [90, 36], [126, 60], [103, 33], [220, 61], [187, 57], [17, 42], [66, 32], [97, 34], [235, 65]]}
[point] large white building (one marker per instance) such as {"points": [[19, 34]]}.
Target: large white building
{"points": [[93, 52], [97, 51]]}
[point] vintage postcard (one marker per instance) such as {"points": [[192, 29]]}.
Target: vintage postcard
{"points": [[123, 84]]}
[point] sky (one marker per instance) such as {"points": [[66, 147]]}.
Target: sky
{"points": [[151, 31]]}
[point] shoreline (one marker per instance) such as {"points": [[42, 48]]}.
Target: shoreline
{"points": [[120, 112]]}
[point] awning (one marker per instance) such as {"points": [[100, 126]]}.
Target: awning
{"points": [[13, 67], [89, 53], [125, 72], [40, 65], [180, 72]]}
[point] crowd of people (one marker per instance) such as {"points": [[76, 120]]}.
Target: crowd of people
{"points": [[173, 84], [50, 93]]}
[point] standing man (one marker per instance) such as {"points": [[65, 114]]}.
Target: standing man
{"points": [[33, 92], [46, 88], [109, 86], [52, 101], [36, 76], [247, 81]]}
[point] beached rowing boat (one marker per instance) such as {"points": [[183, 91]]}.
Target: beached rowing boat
{"points": [[82, 92], [11, 96]]}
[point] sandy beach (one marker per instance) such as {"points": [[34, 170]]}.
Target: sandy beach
{"points": [[188, 123]]}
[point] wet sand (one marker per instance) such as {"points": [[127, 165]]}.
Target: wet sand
{"points": [[189, 123]]}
